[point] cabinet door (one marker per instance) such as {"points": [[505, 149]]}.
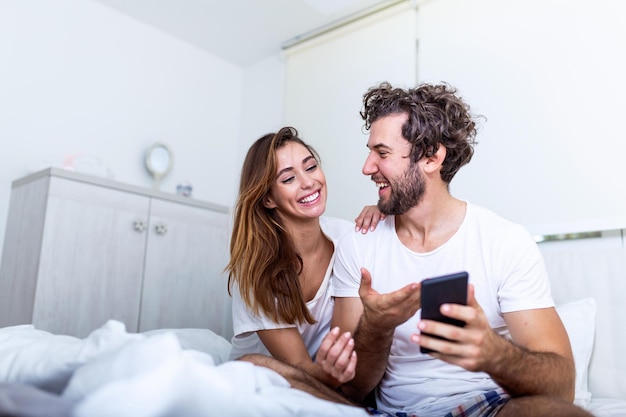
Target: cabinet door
{"points": [[184, 283], [91, 260]]}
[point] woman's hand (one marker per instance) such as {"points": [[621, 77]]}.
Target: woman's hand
{"points": [[336, 356], [368, 219]]}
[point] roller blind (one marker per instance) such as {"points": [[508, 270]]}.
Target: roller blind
{"points": [[549, 78]]}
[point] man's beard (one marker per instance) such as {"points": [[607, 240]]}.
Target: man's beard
{"points": [[405, 193]]}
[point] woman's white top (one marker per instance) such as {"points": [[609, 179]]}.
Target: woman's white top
{"points": [[246, 323]]}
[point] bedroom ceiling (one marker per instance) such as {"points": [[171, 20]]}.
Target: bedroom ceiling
{"points": [[240, 31]]}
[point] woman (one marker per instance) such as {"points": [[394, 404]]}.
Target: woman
{"points": [[282, 252]]}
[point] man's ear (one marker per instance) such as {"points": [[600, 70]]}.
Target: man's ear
{"points": [[435, 161]]}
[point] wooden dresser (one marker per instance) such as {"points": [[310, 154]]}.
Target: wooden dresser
{"points": [[80, 250]]}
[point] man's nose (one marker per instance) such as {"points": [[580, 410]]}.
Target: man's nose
{"points": [[369, 167]]}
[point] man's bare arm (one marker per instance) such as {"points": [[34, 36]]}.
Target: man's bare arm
{"points": [[538, 360], [373, 319]]}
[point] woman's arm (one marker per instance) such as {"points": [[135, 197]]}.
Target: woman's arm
{"points": [[286, 345], [368, 219]]}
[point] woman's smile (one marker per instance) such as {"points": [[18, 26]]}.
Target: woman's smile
{"points": [[310, 198]]}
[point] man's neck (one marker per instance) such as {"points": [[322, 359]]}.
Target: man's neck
{"points": [[431, 223]]}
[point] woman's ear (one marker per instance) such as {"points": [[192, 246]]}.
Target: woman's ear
{"points": [[268, 202]]}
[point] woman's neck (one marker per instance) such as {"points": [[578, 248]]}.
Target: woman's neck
{"points": [[316, 251], [307, 235]]}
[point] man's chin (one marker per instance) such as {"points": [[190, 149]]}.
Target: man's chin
{"points": [[384, 209]]}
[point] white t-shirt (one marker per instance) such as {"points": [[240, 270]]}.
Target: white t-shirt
{"points": [[503, 263], [246, 323]]}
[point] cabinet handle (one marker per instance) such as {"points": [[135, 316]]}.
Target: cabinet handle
{"points": [[160, 229], [139, 225]]}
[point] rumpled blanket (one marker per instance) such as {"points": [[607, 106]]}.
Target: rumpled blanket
{"points": [[127, 375]]}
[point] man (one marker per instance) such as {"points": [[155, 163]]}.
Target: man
{"points": [[513, 356]]}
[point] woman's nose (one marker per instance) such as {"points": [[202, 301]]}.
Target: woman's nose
{"points": [[307, 181]]}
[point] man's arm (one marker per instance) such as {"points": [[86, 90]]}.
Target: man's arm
{"points": [[372, 319], [538, 360], [371, 346]]}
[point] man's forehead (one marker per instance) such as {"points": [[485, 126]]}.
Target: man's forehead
{"points": [[388, 133]]}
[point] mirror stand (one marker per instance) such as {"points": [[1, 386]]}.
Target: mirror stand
{"points": [[159, 161]]}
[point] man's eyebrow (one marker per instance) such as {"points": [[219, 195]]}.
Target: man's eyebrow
{"points": [[378, 146]]}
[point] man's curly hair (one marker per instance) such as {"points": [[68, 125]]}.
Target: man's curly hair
{"points": [[437, 116]]}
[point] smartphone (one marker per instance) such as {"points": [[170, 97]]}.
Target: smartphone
{"points": [[451, 288]]}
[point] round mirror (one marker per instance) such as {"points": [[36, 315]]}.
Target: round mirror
{"points": [[159, 162]]}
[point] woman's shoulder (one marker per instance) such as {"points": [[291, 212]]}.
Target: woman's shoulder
{"points": [[335, 227]]}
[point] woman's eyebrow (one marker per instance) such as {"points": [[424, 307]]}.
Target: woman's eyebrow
{"points": [[304, 161], [282, 171]]}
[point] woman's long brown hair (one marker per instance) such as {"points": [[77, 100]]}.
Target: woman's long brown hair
{"points": [[263, 259]]}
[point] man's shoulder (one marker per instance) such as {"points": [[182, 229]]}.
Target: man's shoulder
{"points": [[488, 216], [493, 224]]}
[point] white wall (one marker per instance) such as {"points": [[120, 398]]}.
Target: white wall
{"points": [[263, 102], [326, 79], [549, 77], [77, 77]]}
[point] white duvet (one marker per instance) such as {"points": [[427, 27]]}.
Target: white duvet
{"points": [[115, 373]]}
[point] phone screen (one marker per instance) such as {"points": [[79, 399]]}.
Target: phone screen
{"points": [[450, 288]]}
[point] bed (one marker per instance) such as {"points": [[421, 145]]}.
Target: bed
{"points": [[185, 372], [588, 279]]}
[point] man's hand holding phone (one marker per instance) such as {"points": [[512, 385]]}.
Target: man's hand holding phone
{"points": [[475, 347], [447, 289]]}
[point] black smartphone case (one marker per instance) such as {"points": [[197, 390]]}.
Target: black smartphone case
{"points": [[450, 288]]}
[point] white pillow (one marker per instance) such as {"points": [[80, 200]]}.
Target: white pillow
{"points": [[203, 340], [579, 318], [45, 360]]}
